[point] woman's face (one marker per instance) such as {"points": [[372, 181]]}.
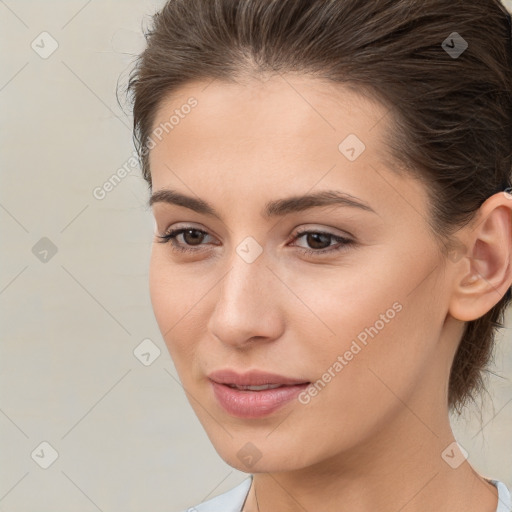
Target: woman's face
{"points": [[362, 320]]}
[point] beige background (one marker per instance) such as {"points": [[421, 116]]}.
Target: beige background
{"points": [[126, 438]]}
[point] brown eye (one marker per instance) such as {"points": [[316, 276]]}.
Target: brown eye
{"points": [[319, 241], [191, 237]]}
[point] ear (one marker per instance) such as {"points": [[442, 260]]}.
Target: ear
{"points": [[484, 274]]}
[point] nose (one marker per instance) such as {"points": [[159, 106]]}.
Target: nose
{"points": [[247, 305]]}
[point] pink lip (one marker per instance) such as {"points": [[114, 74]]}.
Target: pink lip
{"points": [[253, 404]]}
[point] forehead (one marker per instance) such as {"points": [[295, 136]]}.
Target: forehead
{"points": [[286, 133], [282, 116], [281, 109]]}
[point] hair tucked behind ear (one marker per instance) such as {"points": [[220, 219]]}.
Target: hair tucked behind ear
{"points": [[450, 115]]}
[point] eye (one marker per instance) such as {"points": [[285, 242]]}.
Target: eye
{"points": [[190, 234], [193, 237], [316, 238]]}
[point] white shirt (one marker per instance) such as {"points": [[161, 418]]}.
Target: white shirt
{"points": [[232, 500]]}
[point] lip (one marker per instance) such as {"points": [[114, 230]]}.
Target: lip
{"points": [[252, 378], [253, 404]]}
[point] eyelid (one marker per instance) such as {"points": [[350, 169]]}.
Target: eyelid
{"points": [[335, 232]]}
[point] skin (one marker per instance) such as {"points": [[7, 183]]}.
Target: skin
{"points": [[373, 438]]}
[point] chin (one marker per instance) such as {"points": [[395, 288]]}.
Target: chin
{"points": [[271, 463], [252, 454]]}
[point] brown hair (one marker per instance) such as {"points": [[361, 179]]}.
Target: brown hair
{"points": [[451, 121]]}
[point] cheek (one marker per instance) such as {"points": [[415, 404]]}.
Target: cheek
{"points": [[362, 386], [373, 341], [173, 290], [159, 289], [344, 302], [174, 304]]}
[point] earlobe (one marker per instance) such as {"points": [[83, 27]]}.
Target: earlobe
{"points": [[484, 274]]}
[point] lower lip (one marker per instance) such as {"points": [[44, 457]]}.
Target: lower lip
{"points": [[254, 404]]}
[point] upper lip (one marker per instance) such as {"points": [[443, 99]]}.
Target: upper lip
{"points": [[252, 378]]}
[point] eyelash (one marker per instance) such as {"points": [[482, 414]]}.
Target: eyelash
{"points": [[345, 242]]}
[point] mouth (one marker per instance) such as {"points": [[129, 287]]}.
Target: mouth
{"points": [[260, 388], [254, 380], [254, 394]]}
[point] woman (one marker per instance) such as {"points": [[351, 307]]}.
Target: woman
{"points": [[333, 243]]}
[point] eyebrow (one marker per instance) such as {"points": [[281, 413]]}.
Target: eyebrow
{"points": [[274, 208]]}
